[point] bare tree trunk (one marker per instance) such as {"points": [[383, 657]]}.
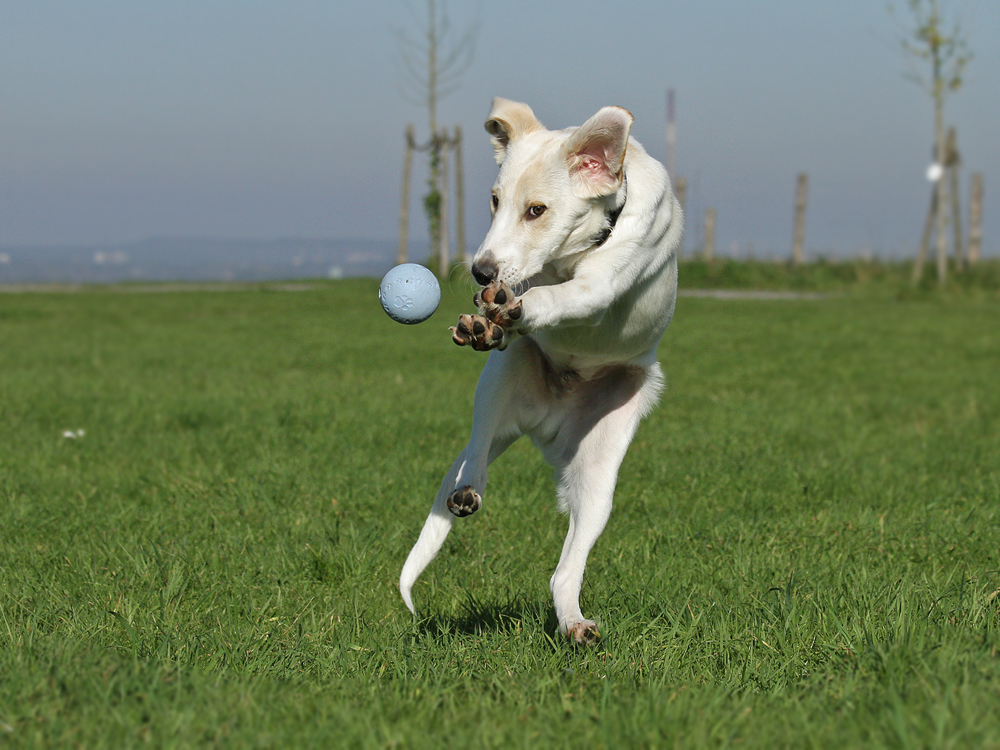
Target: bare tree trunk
{"points": [[459, 198], [956, 210], [436, 212], [801, 197], [709, 250], [975, 218], [404, 209], [443, 259], [942, 233], [942, 186], [433, 62], [925, 238], [432, 67]]}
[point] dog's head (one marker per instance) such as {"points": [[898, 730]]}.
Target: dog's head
{"points": [[554, 191]]}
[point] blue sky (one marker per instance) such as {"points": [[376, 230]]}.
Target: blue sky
{"points": [[122, 121]]}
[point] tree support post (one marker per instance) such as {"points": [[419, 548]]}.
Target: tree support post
{"points": [[404, 209], [975, 218], [709, 250], [459, 198], [443, 250], [799, 237]]}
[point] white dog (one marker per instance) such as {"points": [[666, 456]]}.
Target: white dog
{"points": [[579, 270]]}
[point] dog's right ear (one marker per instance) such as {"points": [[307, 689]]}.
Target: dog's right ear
{"points": [[596, 151], [508, 121]]}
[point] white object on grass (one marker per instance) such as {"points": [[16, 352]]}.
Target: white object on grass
{"points": [[409, 293]]}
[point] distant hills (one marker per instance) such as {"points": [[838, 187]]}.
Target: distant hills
{"points": [[201, 260]]}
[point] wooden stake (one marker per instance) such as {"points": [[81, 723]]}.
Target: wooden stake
{"points": [[404, 209], [443, 259], [975, 218], [799, 238], [709, 251], [680, 191], [942, 217], [459, 198], [956, 211], [925, 239], [671, 137]]}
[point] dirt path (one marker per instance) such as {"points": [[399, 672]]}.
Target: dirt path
{"points": [[749, 294]]}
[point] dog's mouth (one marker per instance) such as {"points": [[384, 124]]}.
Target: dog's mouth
{"points": [[516, 278], [517, 282]]}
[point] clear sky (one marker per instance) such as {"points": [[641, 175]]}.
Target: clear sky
{"points": [[127, 120]]}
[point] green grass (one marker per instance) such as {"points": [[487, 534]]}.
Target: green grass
{"points": [[869, 277], [804, 552]]}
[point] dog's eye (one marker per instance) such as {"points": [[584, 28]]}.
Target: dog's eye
{"points": [[535, 211]]}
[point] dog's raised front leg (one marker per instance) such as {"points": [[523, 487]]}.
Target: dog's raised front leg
{"points": [[495, 327], [594, 437], [494, 428]]}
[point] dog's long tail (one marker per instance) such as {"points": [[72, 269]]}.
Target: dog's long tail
{"points": [[435, 531]]}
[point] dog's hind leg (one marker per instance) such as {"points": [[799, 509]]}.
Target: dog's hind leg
{"points": [[494, 428], [587, 455], [440, 519]]}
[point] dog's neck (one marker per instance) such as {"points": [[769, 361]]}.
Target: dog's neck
{"points": [[613, 213]]}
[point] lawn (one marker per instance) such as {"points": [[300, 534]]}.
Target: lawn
{"points": [[804, 552]]}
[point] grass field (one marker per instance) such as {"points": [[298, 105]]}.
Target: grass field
{"points": [[804, 552], [871, 277]]}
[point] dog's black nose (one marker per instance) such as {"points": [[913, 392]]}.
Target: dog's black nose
{"points": [[485, 270]]}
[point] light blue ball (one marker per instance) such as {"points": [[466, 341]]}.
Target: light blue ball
{"points": [[409, 293]]}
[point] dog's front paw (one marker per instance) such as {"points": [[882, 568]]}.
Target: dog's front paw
{"points": [[498, 303], [464, 502], [479, 332], [583, 633]]}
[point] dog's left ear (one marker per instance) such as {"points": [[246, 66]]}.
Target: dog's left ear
{"points": [[596, 151]]}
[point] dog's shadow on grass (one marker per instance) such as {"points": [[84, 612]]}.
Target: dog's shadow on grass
{"points": [[501, 617]]}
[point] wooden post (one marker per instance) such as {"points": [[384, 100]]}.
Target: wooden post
{"points": [[799, 238], [404, 209], [443, 259], [942, 215], [975, 218], [952, 164], [459, 198], [925, 238], [680, 192], [709, 250], [671, 137]]}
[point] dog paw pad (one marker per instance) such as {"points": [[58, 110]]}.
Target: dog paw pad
{"points": [[478, 332], [464, 502], [497, 303], [584, 634]]}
